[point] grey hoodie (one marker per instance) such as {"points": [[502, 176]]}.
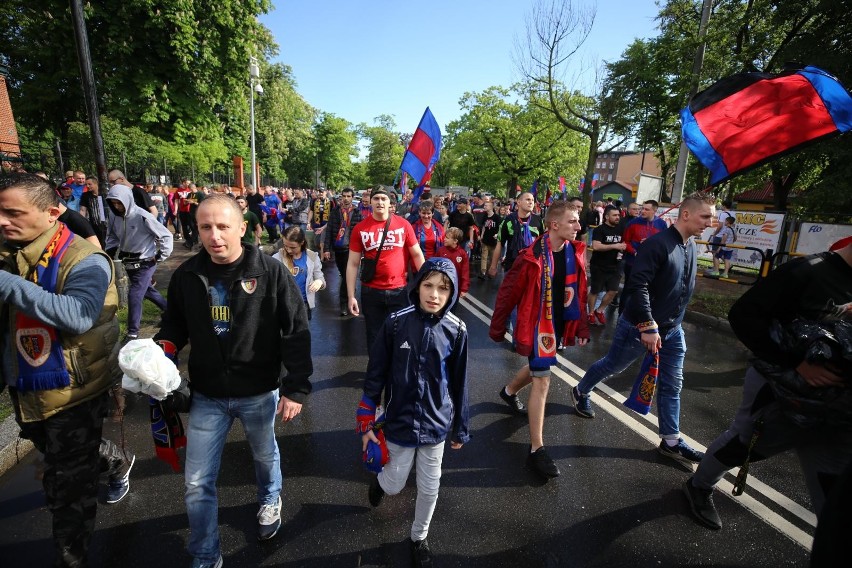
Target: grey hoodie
{"points": [[137, 233]]}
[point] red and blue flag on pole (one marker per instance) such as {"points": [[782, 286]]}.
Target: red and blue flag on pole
{"points": [[562, 189], [423, 152], [748, 119]]}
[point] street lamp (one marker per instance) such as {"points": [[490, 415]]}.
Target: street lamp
{"points": [[255, 87]]}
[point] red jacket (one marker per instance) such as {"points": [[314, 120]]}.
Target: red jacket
{"points": [[521, 287], [459, 257]]}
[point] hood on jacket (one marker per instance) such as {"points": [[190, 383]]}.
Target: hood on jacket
{"points": [[123, 194], [439, 264]]}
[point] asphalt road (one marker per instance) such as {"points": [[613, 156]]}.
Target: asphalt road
{"points": [[617, 502]]}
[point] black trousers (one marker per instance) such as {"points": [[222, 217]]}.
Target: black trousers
{"points": [[70, 441], [341, 258]]}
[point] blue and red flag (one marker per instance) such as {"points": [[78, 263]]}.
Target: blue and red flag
{"points": [[534, 189], [562, 188], [748, 119], [423, 152]]}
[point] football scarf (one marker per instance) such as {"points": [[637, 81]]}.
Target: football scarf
{"points": [[544, 351], [167, 430], [41, 363], [642, 395], [341, 241]]}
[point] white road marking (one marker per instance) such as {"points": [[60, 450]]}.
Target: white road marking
{"points": [[636, 423]]}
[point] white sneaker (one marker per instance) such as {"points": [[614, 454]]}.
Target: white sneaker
{"points": [[269, 520]]}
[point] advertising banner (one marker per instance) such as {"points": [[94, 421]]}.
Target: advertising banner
{"points": [[817, 237]]}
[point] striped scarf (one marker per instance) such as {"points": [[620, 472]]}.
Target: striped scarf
{"points": [[41, 363]]}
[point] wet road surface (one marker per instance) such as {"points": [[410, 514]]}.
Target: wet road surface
{"points": [[617, 502]]}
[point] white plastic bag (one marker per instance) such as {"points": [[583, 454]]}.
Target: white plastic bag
{"points": [[147, 369]]}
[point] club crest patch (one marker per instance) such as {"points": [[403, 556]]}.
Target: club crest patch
{"points": [[547, 343], [34, 345], [458, 259], [249, 285]]}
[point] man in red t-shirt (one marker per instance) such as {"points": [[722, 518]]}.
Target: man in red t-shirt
{"points": [[385, 293]]}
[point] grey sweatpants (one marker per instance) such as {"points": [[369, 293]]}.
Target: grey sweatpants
{"points": [[823, 452], [395, 473]]}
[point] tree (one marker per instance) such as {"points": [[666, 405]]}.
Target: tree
{"points": [[337, 146], [638, 96], [283, 126], [503, 139], [385, 150], [556, 30], [752, 35], [176, 70]]}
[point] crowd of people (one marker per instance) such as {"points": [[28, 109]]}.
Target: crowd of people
{"points": [[404, 264]]}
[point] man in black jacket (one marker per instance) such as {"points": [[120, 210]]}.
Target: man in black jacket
{"points": [[809, 290], [243, 314]]}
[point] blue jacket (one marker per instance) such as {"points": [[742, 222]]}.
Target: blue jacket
{"points": [[419, 362], [662, 281]]}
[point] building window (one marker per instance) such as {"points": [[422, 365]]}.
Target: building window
{"points": [[597, 165], [609, 177], [612, 165]]}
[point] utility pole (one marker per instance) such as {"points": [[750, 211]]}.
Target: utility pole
{"points": [[697, 64], [90, 94]]}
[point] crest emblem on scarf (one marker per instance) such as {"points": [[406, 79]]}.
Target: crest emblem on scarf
{"points": [[547, 342], [458, 259], [34, 345], [249, 285]]}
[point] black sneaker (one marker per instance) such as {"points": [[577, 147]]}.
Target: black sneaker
{"points": [[513, 401], [375, 493], [681, 453], [421, 556], [541, 462], [128, 338], [701, 503], [119, 480], [582, 404], [481, 276]]}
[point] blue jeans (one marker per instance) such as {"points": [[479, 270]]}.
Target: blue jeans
{"points": [[139, 288], [626, 347], [210, 419]]}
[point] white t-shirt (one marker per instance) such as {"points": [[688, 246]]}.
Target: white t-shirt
{"points": [[726, 235]]}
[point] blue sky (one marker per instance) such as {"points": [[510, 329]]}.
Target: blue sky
{"points": [[359, 59]]}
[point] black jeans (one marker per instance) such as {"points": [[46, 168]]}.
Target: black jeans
{"points": [[377, 305], [187, 225], [341, 258], [70, 440]]}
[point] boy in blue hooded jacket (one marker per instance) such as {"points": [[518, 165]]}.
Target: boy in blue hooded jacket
{"points": [[419, 363]]}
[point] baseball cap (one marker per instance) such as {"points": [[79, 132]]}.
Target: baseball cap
{"points": [[381, 190]]}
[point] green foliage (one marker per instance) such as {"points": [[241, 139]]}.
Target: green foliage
{"points": [[385, 150], [651, 82], [176, 71], [504, 139], [337, 146], [283, 127]]}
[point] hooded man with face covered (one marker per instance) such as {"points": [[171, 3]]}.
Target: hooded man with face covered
{"points": [[139, 241]]}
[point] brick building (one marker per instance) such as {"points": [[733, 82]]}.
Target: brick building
{"points": [[10, 145], [624, 167]]}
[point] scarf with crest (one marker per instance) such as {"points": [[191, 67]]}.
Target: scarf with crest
{"points": [[41, 363], [544, 350]]}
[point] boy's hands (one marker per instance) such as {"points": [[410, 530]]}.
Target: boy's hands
{"points": [[367, 437], [456, 445]]}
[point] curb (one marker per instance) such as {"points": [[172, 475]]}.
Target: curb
{"points": [[12, 448], [712, 322]]}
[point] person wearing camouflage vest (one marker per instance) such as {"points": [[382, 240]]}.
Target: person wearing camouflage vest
{"points": [[58, 350]]}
